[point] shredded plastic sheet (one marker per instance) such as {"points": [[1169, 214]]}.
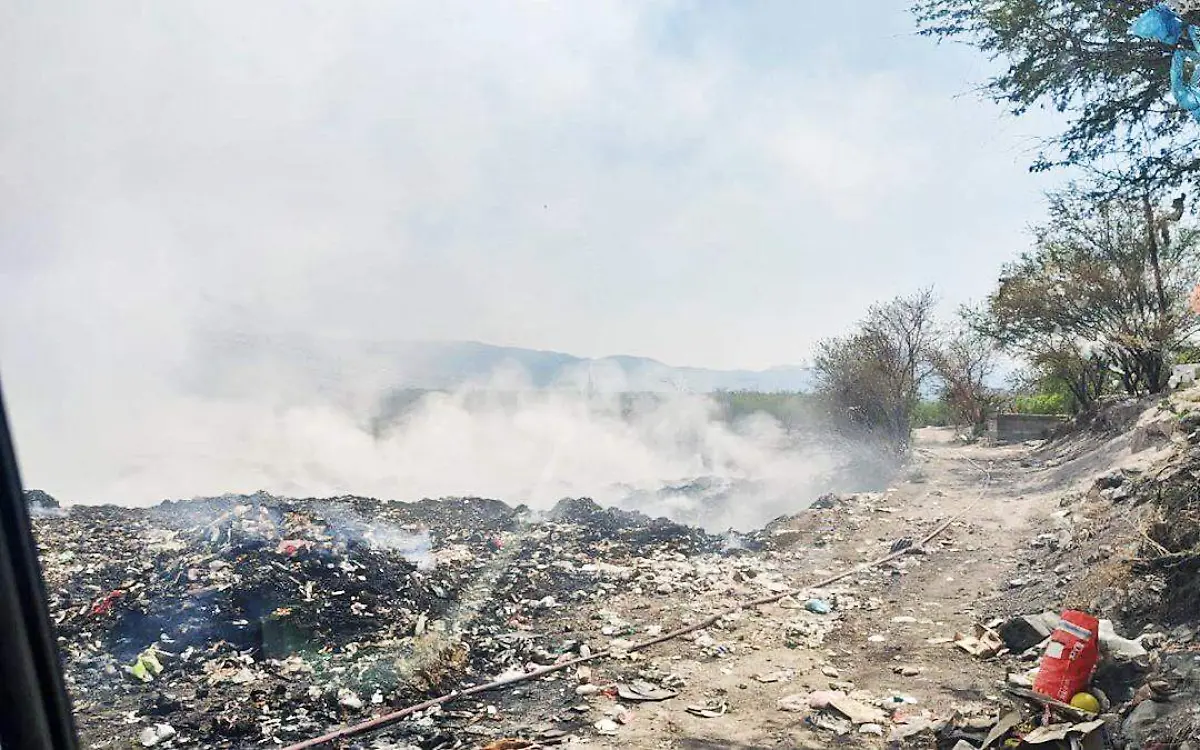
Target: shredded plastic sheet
{"points": [[1160, 24], [1184, 85], [1163, 23]]}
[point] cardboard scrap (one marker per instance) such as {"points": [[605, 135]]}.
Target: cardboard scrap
{"points": [[984, 644], [793, 703], [859, 713], [1007, 722], [1056, 732]]}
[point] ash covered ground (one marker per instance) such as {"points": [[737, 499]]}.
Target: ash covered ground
{"points": [[245, 620], [255, 619]]}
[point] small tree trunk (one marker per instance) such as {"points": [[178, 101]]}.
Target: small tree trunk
{"points": [[1155, 371], [1152, 247]]}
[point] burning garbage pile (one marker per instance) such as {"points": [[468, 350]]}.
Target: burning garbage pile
{"points": [[238, 620], [257, 620]]}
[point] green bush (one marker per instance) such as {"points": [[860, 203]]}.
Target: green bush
{"points": [[1042, 403], [931, 413], [793, 410]]}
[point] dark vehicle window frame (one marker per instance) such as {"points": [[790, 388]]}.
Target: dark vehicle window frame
{"points": [[35, 712]]}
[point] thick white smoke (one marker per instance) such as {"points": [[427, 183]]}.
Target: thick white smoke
{"points": [[666, 454]]}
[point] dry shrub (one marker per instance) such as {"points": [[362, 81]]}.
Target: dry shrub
{"points": [[1113, 573], [1171, 544]]}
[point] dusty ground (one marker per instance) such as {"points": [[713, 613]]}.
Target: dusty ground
{"points": [[900, 616], [612, 582]]}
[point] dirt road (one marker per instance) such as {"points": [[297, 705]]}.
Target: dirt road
{"points": [[888, 634]]}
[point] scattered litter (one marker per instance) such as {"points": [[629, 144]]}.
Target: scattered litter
{"points": [[1007, 722], [147, 666], [1056, 732], [1116, 646], [819, 606], [151, 736], [272, 621], [984, 644], [710, 709], [255, 616], [831, 722], [641, 691], [794, 704], [855, 711], [606, 726]]}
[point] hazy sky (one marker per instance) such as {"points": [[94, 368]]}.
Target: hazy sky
{"points": [[709, 183]]}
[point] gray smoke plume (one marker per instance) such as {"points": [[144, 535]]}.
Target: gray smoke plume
{"points": [[664, 454]]}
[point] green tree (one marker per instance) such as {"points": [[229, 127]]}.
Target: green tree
{"points": [[793, 411], [932, 413], [871, 380], [1051, 402], [1104, 289], [1077, 57], [964, 360], [1062, 377]]}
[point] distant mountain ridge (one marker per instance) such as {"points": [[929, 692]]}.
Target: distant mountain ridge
{"points": [[439, 365], [546, 368]]}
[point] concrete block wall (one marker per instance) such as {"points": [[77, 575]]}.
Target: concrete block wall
{"points": [[1015, 428]]}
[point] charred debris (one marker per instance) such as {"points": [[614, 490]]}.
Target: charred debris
{"points": [[238, 620]]}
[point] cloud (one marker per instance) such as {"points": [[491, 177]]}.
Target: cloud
{"points": [[358, 167], [706, 184]]}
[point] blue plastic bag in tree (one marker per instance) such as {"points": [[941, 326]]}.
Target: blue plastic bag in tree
{"points": [[1185, 85], [1160, 23], [1186, 88]]}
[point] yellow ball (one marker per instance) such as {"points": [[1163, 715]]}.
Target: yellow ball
{"points": [[1086, 702]]}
